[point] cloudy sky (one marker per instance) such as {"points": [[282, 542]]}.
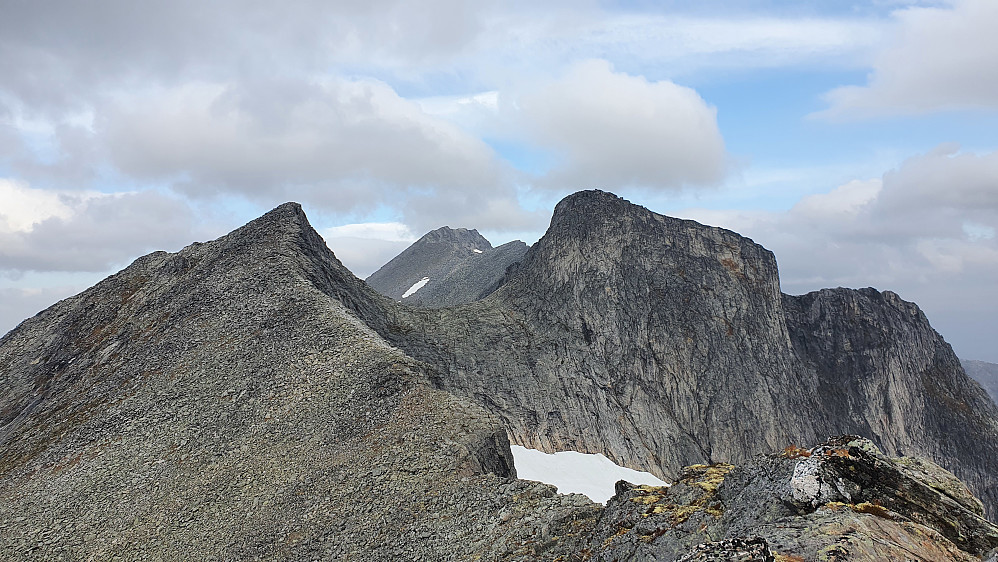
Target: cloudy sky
{"points": [[854, 139]]}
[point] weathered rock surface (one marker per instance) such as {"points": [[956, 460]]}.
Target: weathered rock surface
{"points": [[225, 403], [842, 500], [984, 373], [240, 400], [459, 265], [473, 279], [662, 342]]}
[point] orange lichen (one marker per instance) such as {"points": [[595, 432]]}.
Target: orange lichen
{"points": [[837, 452], [795, 452], [873, 508]]}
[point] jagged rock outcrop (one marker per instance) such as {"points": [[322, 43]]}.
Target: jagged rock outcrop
{"points": [[228, 402], [984, 373], [841, 500], [446, 267], [662, 342]]}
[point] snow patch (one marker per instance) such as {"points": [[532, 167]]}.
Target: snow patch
{"points": [[415, 287], [476, 250], [577, 473]]}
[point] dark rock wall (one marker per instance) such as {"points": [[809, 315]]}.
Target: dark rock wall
{"points": [[662, 342]]}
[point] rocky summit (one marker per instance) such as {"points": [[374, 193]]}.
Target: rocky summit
{"points": [[248, 398], [446, 267], [662, 342]]}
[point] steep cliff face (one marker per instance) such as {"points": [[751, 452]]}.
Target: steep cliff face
{"points": [[984, 373], [230, 402], [885, 373], [656, 340], [662, 342]]}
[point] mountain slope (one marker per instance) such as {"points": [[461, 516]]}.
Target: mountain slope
{"points": [[472, 279], [228, 402], [235, 401], [434, 255], [984, 373], [661, 342], [446, 267]]}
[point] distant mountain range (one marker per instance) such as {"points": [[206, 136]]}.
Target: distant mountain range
{"points": [[249, 398]]}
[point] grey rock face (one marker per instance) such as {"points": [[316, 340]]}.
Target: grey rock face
{"points": [[662, 342], [472, 279], [458, 265], [885, 373], [249, 398], [841, 500], [229, 402], [984, 373]]}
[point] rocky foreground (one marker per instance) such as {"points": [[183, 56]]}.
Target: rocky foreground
{"points": [[240, 400]]}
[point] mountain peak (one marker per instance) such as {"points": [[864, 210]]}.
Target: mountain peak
{"points": [[425, 264], [457, 235], [592, 203]]}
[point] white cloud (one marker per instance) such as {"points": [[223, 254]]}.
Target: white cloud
{"points": [[268, 137], [941, 58], [770, 41], [613, 130], [363, 256], [88, 231], [388, 231], [23, 207], [364, 247]]}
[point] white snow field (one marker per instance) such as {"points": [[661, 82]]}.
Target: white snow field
{"points": [[476, 250], [415, 287], [576, 473]]}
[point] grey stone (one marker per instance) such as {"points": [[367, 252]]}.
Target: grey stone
{"points": [[249, 398], [661, 342], [461, 267], [985, 373]]}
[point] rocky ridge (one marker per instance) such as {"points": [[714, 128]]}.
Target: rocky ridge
{"points": [[238, 400], [223, 403], [841, 500], [662, 342]]}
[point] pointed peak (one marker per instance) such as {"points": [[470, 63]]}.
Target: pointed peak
{"points": [[285, 217], [290, 211], [592, 206]]}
